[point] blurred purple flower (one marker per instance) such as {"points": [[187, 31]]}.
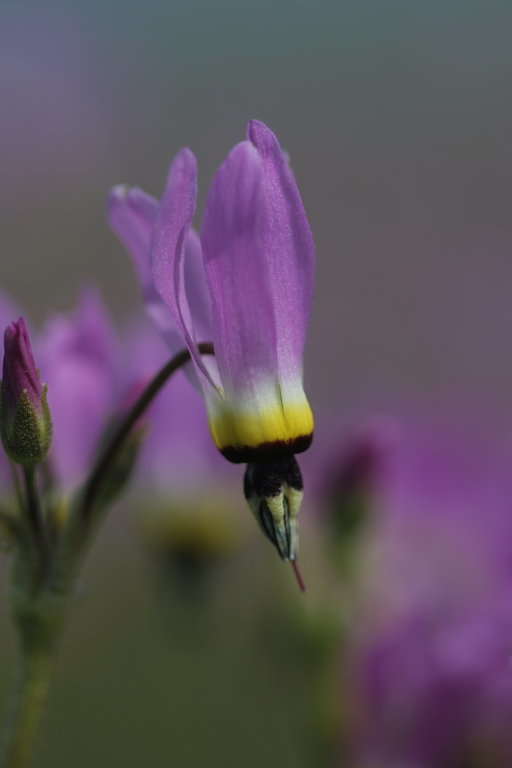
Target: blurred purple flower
{"points": [[353, 464], [429, 678], [344, 475], [80, 358], [79, 361]]}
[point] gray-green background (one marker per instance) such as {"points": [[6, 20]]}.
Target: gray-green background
{"points": [[398, 117]]}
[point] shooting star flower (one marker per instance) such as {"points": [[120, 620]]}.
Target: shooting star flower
{"points": [[248, 282]]}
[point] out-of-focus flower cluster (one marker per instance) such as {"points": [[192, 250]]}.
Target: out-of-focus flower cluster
{"points": [[409, 545], [94, 373], [408, 550], [426, 675]]}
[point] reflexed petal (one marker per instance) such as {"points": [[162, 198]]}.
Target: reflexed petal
{"points": [[288, 248], [175, 214], [131, 214], [196, 288], [242, 311], [173, 243], [264, 406], [206, 374]]}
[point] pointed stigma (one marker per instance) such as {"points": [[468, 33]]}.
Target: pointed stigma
{"points": [[298, 575]]}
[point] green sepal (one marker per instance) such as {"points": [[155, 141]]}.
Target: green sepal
{"points": [[27, 433]]}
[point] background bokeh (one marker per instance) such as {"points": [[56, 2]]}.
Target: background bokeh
{"points": [[397, 117]]}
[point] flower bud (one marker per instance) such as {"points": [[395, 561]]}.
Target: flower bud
{"points": [[25, 422], [352, 477]]}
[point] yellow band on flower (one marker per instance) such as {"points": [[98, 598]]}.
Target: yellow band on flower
{"points": [[243, 435]]}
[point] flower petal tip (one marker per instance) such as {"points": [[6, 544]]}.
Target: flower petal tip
{"points": [[261, 136], [243, 155], [119, 192], [184, 163], [116, 198]]}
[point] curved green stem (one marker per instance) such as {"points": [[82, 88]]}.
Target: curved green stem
{"points": [[27, 707], [106, 459]]}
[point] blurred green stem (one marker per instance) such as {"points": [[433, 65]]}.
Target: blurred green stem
{"points": [[33, 508], [32, 684], [16, 484], [43, 586]]}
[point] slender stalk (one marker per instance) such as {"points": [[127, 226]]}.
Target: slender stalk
{"points": [[32, 506], [32, 686], [16, 484], [107, 457], [37, 532]]}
